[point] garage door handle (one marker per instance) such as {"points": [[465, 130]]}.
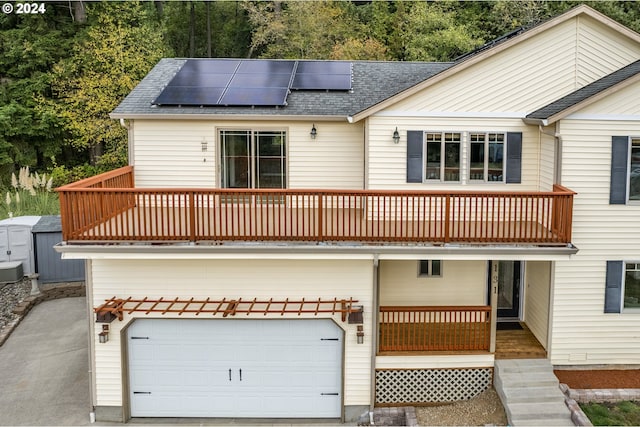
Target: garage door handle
{"points": [[240, 374], [329, 339], [141, 392], [229, 374], [328, 394]]}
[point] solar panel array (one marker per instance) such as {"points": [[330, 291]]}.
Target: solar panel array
{"points": [[237, 82]]}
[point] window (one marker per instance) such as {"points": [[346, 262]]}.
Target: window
{"points": [[434, 157], [632, 285], [253, 159], [634, 170], [429, 268], [486, 157], [443, 156]]}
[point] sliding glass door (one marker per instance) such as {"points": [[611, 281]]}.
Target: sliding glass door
{"points": [[253, 159]]}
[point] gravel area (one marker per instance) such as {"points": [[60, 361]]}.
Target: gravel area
{"points": [[10, 295], [484, 409]]}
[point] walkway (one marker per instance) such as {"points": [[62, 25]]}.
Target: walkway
{"points": [[530, 393], [44, 373]]}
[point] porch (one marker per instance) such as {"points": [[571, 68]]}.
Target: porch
{"points": [[107, 208], [440, 330]]}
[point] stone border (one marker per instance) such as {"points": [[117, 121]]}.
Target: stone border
{"points": [[575, 396], [48, 292]]}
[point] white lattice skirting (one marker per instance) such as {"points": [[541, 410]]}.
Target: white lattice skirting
{"points": [[402, 386]]}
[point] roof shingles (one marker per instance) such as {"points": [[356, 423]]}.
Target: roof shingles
{"points": [[373, 82]]}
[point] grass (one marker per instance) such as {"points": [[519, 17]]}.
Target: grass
{"points": [[624, 413], [31, 194]]}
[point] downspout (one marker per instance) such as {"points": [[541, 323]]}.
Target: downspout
{"points": [[557, 170], [127, 126], [374, 332], [88, 284]]}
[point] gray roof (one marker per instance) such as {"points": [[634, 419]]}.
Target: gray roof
{"points": [[373, 82], [586, 92]]}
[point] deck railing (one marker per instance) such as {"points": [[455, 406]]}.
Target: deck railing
{"points": [[436, 328], [108, 208]]}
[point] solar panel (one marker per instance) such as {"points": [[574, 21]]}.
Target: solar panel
{"points": [[261, 80], [322, 81], [254, 96], [322, 75], [187, 95], [239, 82]]}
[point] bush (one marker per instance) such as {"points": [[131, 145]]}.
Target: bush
{"points": [[31, 194]]}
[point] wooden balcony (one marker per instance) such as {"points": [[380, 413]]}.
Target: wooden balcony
{"points": [[437, 328], [107, 208]]}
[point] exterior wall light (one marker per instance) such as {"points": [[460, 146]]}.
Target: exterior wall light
{"points": [[360, 334], [396, 136], [314, 132], [204, 144], [103, 336]]}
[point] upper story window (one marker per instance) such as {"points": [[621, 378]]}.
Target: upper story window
{"points": [[253, 159], [486, 157], [634, 170], [443, 156], [632, 285]]}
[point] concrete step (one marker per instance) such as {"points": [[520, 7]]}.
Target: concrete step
{"points": [[539, 410], [526, 380], [515, 422], [526, 394], [530, 393]]}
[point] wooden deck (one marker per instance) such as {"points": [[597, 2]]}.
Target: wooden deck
{"points": [[518, 344], [107, 208]]}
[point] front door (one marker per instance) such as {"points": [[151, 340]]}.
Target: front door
{"points": [[509, 278]]}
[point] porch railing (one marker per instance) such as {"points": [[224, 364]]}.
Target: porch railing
{"points": [[108, 208], [435, 328]]}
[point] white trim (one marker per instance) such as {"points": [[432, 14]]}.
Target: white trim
{"points": [[454, 114], [623, 289], [424, 362]]}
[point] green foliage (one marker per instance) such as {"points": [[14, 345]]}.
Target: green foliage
{"points": [[118, 51], [30, 194], [230, 30], [624, 413]]}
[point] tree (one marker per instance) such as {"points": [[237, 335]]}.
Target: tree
{"points": [[120, 48], [306, 30], [430, 32]]}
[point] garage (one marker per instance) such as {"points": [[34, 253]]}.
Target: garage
{"points": [[235, 368]]}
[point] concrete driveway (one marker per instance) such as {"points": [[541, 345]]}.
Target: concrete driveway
{"points": [[44, 377]]}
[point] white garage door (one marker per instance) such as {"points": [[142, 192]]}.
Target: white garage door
{"points": [[235, 368]]}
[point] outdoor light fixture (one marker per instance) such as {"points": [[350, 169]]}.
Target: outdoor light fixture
{"points": [[396, 136], [360, 334], [314, 132], [204, 144], [103, 336]]}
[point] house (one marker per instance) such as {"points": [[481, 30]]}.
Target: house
{"points": [[307, 239]]}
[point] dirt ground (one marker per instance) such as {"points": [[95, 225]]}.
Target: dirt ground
{"points": [[484, 409], [599, 378]]}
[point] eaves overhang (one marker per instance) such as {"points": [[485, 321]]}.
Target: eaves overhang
{"points": [[243, 117], [315, 251]]}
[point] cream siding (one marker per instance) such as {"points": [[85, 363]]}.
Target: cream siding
{"points": [[536, 294], [518, 79], [547, 162], [623, 103], [582, 333], [169, 153], [462, 283], [234, 279], [387, 162]]}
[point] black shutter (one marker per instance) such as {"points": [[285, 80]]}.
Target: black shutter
{"points": [[514, 158], [414, 155], [619, 162], [613, 287]]}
